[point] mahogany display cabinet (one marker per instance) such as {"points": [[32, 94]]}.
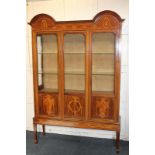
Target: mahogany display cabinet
{"points": [[76, 72]]}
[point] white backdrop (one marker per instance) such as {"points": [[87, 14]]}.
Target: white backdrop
{"points": [[80, 10]]}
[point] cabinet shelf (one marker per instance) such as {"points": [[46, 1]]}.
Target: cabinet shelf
{"points": [[74, 72], [102, 53], [103, 73], [79, 73], [76, 91], [73, 91], [56, 90], [51, 72], [74, 53], [66, 72], [48, 53], [84, 53], [48, 90], [103, 93]]}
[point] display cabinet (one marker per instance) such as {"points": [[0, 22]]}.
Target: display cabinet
{"points": [[76, 72]]}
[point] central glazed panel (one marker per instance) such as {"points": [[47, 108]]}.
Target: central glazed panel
{"points": [[74, 75]]}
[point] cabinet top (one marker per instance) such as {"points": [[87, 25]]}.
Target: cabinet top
{"points": [[106, 20]]}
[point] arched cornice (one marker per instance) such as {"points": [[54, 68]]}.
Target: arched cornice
{"points": [[106, 20], [41, 16], [107, 12]]}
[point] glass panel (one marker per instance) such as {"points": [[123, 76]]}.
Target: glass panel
{"points": [[50, 81], [103, 42], [74, 43], [47, 62], [103, 63], [103, 59], [74, 82], [102, 83], [74, 62]]}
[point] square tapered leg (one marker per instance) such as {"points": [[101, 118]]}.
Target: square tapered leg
{"points": [[43, 130], [117, 141], [35, 134]]}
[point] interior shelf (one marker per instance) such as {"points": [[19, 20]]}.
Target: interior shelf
{"points": [[74, 72], [48, 72], [103, 73], [102, 53], [84, 53], [79, 72], [66, 72], [48, 90], [101, 93], [74, 91], [74, 53], [48, 53], [44, 90]]}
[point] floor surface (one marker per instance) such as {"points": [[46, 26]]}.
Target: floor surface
{"points": [[56, 144]]}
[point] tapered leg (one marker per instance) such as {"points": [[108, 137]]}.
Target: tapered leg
{"points": [[43, 128], [35, 134], [117, 141]]}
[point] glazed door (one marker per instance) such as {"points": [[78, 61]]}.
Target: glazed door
{"points": [[47, 52], [103, 76], [74, 75]]}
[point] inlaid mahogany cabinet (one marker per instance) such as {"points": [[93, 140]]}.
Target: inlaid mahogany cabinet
{"points": [[76, 72]]}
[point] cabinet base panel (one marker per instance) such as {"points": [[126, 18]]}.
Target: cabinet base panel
{"points": [[78, 124]]}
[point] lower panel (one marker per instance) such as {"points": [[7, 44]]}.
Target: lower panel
{"points": [[102, 108], [74, 106], [79, 124], [48, 104]]}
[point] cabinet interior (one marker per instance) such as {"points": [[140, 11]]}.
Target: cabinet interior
{"points": [[103, 56]]}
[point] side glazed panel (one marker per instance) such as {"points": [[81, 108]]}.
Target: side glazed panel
{"points": [[102, 108], [48, 104], [75, 106]]}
